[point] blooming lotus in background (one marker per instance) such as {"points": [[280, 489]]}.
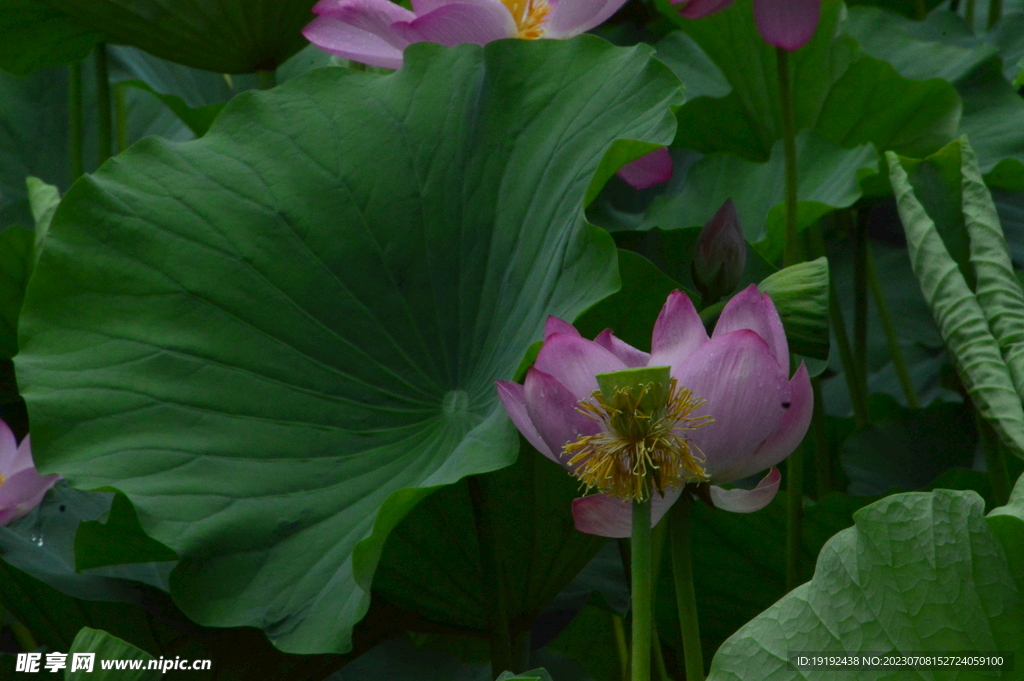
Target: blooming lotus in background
{"points": [[21, 487], [788, 24], [730, 412], [375, 32], [648, 170]]}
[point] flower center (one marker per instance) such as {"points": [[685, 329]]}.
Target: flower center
{"points": [[530, 17], [640, 450]]}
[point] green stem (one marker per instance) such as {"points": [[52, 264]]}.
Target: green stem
{"points": [[77, 132], [791, 255], [658, 536], [104, 120], [121, 117], [860, 303], [686, 598], [822, 461], [995, 12], [794, 516], [969, 15], [640, 567], [22, 636], [266, 79], [521, 652], [920, 9], [898, 360], [995, 460], [619, 630], [835, 313], [491, 574]]}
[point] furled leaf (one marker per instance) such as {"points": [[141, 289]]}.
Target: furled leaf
{"points": [[289, 329], [800, 294], [998, 292], [884, 585], [959, 317]]}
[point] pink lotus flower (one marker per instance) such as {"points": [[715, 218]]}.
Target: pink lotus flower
{"points": [[21, 487], [759, 414], [376, 32], [789, 24], [648, 170]]}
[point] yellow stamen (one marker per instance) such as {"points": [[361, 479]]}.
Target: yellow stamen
{"points": [[2, 479], [637, 452], [530, 17]]}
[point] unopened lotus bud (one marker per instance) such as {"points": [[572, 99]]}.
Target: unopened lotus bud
{"points": [[721, 254]]}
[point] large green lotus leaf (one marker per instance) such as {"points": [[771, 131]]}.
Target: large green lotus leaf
{"points": [[828, 180], [943, 47], [740, 564], [959, 317], [106, 646], [289, 329], [225, 36], [1007, 524], [432, 562], [841, 93], [917, 572], [36, 34]]}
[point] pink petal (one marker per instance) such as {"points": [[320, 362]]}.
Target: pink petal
{"points": [[695, 9], [649, 170], [553, 411], [572, 17], [556, 325], [748, 500], [677, 333], [344, 40], [513, 398], [787, 436], [629, 355], [22, 492], [574, 362], [479, 21], [22, 458], [750, 309], [745, 389], [789, 24], [9, 452], [609, 517]]}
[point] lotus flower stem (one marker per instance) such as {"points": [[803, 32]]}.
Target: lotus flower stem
{"points": [[77, 128], [995, 12], [822, 461], [658, 537], [969, 14], [24, 638], [995, 461], [791, 256], [619, 630], [490, 568], [920, 9], [121, 116], [860, 302], [898, 360], [265, 80], [859, 401], [794, 517], [104, 120], [686, 599], [642, 601]]}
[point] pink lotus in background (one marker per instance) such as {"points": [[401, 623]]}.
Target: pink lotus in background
{"points": [[760, 414], [375, 32], [789, 24], [648, 170], [21, 487]]}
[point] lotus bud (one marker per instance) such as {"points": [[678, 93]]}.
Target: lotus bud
{"points": [[721, 254]]}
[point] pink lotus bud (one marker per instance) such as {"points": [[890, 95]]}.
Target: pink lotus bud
{"points": [[789, 24], [21, 487], [721, 254]]}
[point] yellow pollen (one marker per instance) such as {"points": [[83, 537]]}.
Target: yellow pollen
{"points": [[530, 17], [638, 453], [2, 479]]}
